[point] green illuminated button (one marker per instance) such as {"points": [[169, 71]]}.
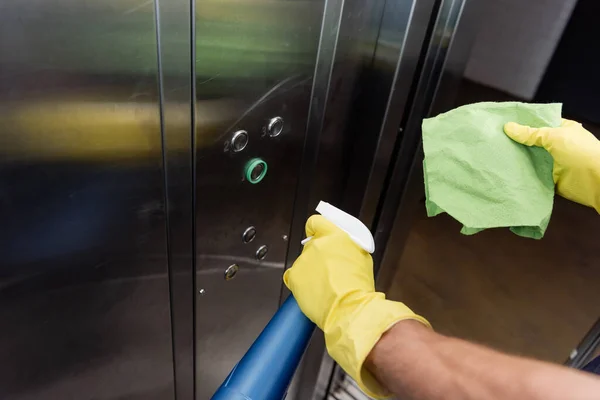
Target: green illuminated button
{"points": [[255, 170]]}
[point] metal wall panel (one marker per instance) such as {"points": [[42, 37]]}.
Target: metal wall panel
{"points": [[84, 297], [402, 37], [254, 61]]}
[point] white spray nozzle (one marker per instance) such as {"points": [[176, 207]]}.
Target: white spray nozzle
{"points": [[357, 231]]}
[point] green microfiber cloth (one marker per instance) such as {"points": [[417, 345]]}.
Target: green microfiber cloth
{"points": [[481, 177]]}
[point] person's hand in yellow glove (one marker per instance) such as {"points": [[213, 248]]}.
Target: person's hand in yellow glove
{"points": [[333, 284], [576, 154]]}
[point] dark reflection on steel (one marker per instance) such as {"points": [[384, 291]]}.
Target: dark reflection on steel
{"points": [[392, 220], [356, 44], [387, 85], [254, 60], [83, 273], [405, 26], [457, 57], [328, 40], [174, 32]]}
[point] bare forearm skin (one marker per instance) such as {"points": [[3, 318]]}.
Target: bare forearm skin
{"points": [[416, 363]]}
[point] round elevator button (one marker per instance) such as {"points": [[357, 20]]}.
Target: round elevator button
{"points": [[255, 170], [239, 141], [231, 271], [249, 234], [262, 251], [275, 127]]}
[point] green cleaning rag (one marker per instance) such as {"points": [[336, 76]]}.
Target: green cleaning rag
{"points": [[482, 178]]}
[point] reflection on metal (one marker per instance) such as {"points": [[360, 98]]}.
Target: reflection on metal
{"points": [[231, 271], [239, 141], [82, 239], [249, 234], [392, 216], [261, 252], [328, 40], [275, 127], [403, 35]]}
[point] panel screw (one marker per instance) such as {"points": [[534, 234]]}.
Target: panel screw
{"points": [[249, 234]]}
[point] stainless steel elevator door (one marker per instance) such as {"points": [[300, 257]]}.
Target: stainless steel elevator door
{"points": [[254, 62], [84, 302]]}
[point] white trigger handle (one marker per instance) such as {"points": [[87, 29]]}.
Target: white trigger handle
{"points": [[357, 231]]}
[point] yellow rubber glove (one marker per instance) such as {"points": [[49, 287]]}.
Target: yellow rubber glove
{"points": [[333, 283], [576, 154]]}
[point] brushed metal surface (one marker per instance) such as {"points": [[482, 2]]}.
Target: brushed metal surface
{"points": [[385, 102], [84, 297], [254, 61], [174, 38]]}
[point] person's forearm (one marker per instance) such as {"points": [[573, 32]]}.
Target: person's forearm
{"points": [[416, 363]]}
